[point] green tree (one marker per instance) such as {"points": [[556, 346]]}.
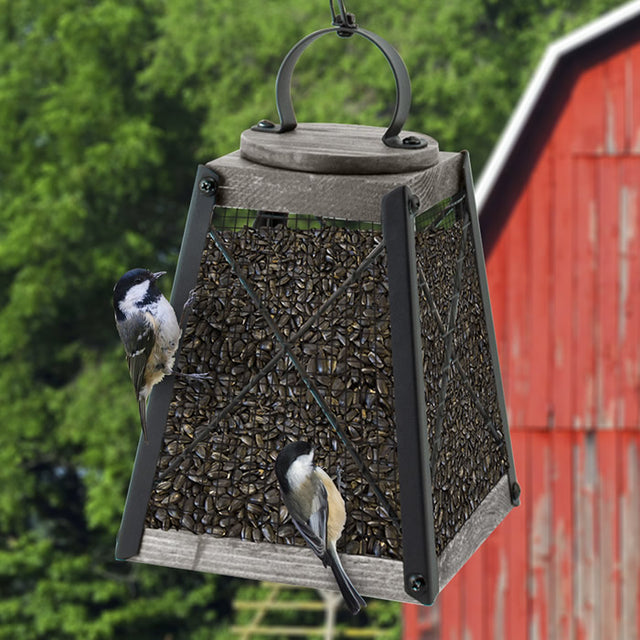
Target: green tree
{"points": [[87, 191], [106, 107]]}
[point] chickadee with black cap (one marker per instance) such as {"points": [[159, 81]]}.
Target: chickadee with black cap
{"points": [[317, 510], [149, 331]]}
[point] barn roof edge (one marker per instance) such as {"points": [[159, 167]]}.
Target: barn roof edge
{"points": [[553, 55]]}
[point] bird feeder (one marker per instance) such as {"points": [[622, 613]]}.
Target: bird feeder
{"points": [[339, 297]]}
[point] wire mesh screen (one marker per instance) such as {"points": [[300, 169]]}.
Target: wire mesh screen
{"points": [[291, 324], [468, 451]]}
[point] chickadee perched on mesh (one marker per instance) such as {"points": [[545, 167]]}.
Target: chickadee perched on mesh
{"points": [[149, 331], [317, 510]]}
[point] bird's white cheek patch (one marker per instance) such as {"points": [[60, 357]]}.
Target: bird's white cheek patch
{"points": [[300, 470], [135, 295]]}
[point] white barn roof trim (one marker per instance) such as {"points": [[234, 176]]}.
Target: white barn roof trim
{"points": [[554, 53]]}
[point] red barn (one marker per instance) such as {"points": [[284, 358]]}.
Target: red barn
{"points": [[559, 205]]}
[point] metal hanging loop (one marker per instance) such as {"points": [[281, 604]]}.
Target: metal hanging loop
{"points": [[346, 28]]}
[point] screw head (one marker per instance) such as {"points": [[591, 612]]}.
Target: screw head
{"points": [[266, 124], [411, 141], [417, 582], [515, 492], [208, 186]]}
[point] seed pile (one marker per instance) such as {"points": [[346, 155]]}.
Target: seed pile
{"points": [[228, 486], [469, 460], [225, 483]]}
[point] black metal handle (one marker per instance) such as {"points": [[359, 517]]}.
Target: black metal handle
{"points": [[401, 75]]}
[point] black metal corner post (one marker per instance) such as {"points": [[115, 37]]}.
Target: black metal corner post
{"points": [[141, 484], [421, 578], [514, 487]]}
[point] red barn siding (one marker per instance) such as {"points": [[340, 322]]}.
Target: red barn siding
{"points": [[563, 275], [564, 278], [564, 565]]}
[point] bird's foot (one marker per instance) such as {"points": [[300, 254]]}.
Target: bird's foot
{"points": [[193, 376], [339, 482], [187, 306]]}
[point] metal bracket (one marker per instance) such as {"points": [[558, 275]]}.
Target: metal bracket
{"points": [[416, 501], [195, 233], [347, 21], [346, 27]]}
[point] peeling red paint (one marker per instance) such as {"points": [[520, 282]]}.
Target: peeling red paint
{"points": [[566, 564], [564, 278]]}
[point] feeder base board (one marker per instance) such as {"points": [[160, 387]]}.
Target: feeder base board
{"points": [[296, 565]]}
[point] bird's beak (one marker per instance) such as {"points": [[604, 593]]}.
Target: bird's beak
{"points": [[158, 274]]}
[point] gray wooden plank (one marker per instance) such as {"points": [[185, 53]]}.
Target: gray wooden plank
{"points": [[296, 565], [489, 514], [248, 185], [288, 564], [336, 148]]}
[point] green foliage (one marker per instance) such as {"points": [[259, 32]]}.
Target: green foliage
{"points": [[106, 107], [287, 608]]}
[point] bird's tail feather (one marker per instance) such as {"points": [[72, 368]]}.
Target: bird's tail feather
{"points": [[142, 407], [352, 598]]}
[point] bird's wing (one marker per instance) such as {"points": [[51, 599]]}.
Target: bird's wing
{"points": [[138, 337], [314, 530]]}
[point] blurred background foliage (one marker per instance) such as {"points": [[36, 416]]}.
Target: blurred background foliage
{"points": [[106, 107]]}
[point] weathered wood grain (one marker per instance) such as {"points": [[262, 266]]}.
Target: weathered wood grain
{"points": [[561, 228], [563, 270], [374, 577], [629, 580], [566, 563], [248, 185], [489, 514], [336, 148]]}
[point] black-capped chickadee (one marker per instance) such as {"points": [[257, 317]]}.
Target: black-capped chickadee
{"points": [[149, 331], [317, 510]]}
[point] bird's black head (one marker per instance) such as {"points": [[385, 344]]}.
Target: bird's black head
{"points": [[138, 285], [290, 452]]}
